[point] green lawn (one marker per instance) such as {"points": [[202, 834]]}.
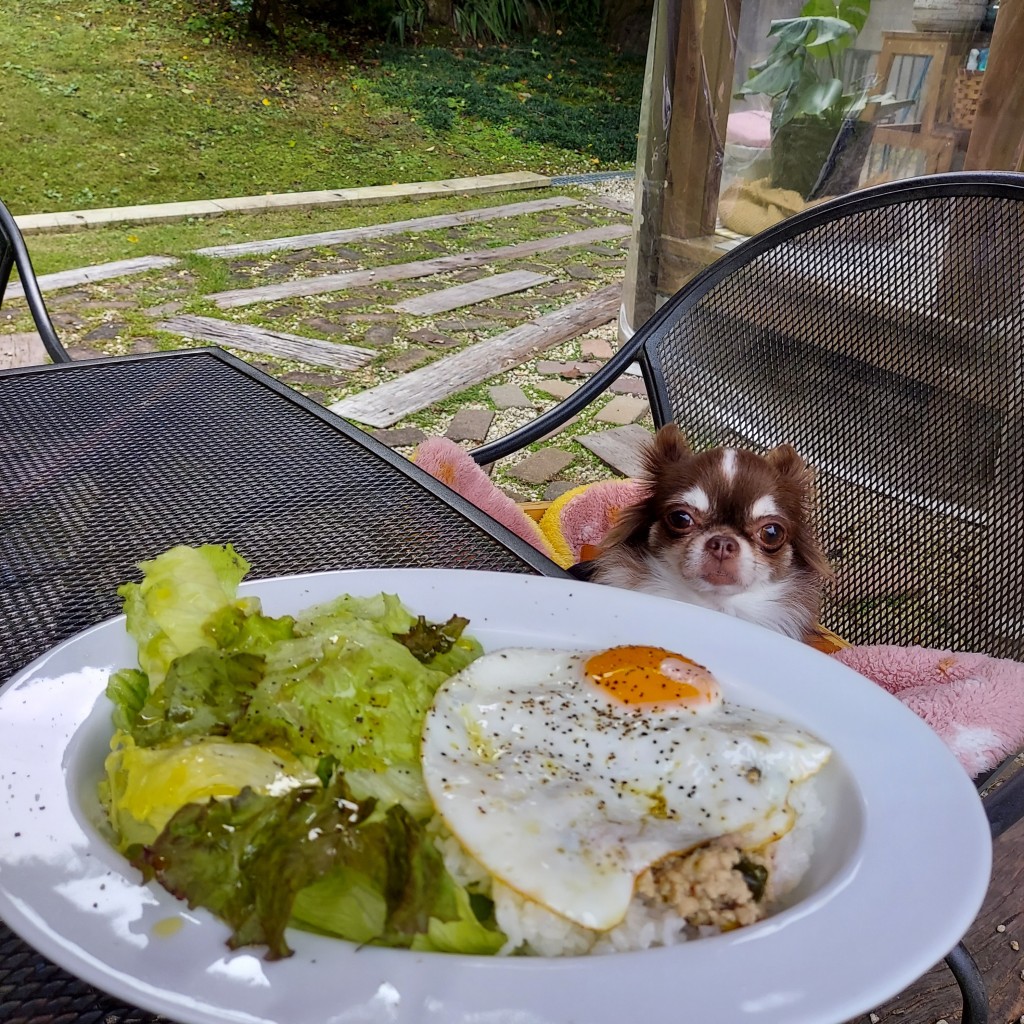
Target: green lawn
{"points": [[116, 102]]}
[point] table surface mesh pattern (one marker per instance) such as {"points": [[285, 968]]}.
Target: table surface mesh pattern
{"points": [[106, 464]]}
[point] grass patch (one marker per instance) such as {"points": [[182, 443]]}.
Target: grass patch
{"points": [[117, 102], [545, 92], [209, 274]]}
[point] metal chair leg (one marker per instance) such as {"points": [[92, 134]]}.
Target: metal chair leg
{"points": [[972, 985]]}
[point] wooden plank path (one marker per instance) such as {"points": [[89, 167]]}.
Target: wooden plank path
{"points": [[86, 275], [418, 268], [612, 204], [485, 288], [158, 212], [398, 227], [935, 996], [22, 349], [387, 403], [139, 265], [272, 343]]}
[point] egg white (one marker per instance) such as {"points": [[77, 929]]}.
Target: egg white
{"points": [[566, 795]]}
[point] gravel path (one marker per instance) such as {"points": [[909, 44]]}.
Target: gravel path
{"points": [[120, 316]]}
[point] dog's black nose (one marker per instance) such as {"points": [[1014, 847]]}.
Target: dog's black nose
{"points": [[722, 547]]}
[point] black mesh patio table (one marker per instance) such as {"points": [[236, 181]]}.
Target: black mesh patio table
{"points": [[109, 462]]}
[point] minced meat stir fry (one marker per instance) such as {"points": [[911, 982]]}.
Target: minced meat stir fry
{"points": [[718, 885]]}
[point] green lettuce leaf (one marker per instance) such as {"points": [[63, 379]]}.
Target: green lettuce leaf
{"points": [[234, 734], [145, 786], [346, 903], [465, 934], [394, 890], [343, 685], [314, 857], [204, 694], [128, 691], [426, 640], [242, 627], [180, 590], [245, 858]]}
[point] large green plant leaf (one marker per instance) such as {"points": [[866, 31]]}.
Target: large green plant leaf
{"points": [[774, 78], [854, 11], [815, 33], [809, 97], [791, 32], [801, 72], [817, 98]]}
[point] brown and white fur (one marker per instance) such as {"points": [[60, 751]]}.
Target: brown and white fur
{"points": [[726, 529]]}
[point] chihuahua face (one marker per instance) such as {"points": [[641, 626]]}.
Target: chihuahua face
{"points": [[727, 529]]}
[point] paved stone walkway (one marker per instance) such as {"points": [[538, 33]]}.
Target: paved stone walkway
{"points": [[120, 316]]}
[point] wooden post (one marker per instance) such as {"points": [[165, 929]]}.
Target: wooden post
{"points": [[640, 294], [996, 143], [687, 94], [701, 94], [997, 139]]}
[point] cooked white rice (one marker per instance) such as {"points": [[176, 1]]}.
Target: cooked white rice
{"points": [[532, 928]]}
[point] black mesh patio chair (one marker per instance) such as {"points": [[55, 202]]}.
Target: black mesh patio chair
{"points": [[14, 253], [882, 334]]}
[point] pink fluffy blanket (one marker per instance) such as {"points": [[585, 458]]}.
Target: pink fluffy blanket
{"points": [[974, 702]]}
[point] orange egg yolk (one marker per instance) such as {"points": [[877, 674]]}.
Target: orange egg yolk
{"points": [[652, 675]]}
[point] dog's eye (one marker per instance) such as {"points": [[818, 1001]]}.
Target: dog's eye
{"points": [[679, 520], [772, 536]]}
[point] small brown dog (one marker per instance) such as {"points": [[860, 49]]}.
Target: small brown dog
{"points": [[726, 529]]}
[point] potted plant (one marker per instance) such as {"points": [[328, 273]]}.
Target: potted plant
{"points": [[814, 119]]}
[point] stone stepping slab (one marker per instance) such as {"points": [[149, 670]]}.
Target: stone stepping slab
{"points": [[628, 386], [618, 447], [388, 403], [623, 409], [100, 272], [469, 294], [418, 268], [398, 227], [509, 396], [560, 389], [540, 467], [470, 425], [272, 343]]}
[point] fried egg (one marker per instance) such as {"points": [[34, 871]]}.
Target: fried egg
{"points": [[566, 774]]}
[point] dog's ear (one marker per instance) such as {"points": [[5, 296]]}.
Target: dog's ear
{"points": [[808, 550], [666, 447], [786, 459], [791, 466], [788, 463], [632, 527]]}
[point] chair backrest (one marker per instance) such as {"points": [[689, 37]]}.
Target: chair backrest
{"points": [[882, 334], [13, 253], [6, 261]]}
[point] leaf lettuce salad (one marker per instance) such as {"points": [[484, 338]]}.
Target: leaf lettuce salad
{"points": [[267, 768]]}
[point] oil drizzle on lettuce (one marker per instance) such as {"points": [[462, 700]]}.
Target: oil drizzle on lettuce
{"points": [[337, 841]]}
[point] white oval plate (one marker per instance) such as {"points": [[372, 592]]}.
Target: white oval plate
{"points": [[897, 877]]}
